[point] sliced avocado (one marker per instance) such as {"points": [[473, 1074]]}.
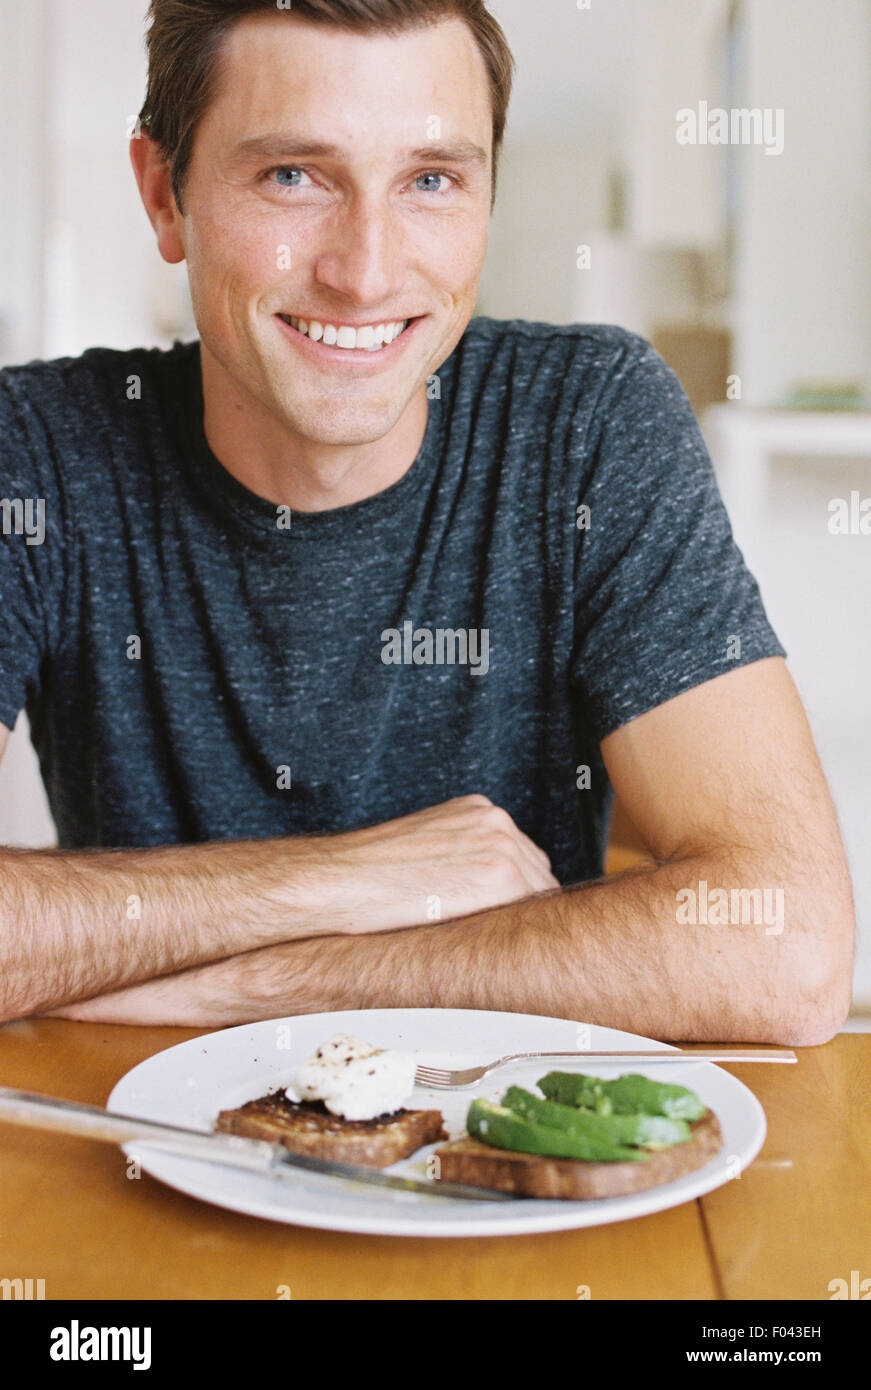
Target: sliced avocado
{"points": [[650, 1131], [629, 1095], [504, 1129], [586, 1092]]}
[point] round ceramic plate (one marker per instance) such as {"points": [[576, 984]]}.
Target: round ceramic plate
{"points": [[188, 1084]]}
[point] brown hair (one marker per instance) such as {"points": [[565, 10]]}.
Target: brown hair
{"points": [[184, 50]]}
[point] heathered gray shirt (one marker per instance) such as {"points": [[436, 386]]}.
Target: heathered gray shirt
{"points": [[198, 664]]}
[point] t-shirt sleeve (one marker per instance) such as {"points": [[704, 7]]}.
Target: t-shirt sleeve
{"points": [[663, 598], [31, 548]]}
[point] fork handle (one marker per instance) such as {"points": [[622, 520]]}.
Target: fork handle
{"points": [[702, 1054]]}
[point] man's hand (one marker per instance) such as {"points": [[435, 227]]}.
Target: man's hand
{"points": [[447, 861]]}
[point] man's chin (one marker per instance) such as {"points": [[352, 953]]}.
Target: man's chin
{"points": [[339, 417], [351, 438]]}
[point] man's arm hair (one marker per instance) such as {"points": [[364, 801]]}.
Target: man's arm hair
{"points": [[606, 952], [76, 924], [725, 789]]}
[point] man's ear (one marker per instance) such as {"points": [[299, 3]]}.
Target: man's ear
{"points": [[155, 188]]}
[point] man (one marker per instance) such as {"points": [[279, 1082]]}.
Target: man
{"points": [[349, 616]]}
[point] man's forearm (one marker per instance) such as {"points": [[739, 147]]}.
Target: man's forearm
{"points": [[74, 924], [611, 952]]}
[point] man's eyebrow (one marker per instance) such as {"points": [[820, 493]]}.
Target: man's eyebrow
{"points": [[288, 147]]}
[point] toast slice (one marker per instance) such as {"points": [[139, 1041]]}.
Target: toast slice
{"points": [[307, 1127], [469, 1161]]}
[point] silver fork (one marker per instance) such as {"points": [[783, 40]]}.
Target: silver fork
{"points": [[437, 1078]]}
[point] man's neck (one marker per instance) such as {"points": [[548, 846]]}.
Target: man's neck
{"points": [[299, 473]]}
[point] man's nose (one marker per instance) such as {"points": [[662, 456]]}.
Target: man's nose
{"points": [[362, 259]]}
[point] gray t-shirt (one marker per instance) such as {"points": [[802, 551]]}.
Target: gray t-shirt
{"points": [[199, 664]]}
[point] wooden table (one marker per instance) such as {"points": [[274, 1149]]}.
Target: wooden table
{"points": [[797, 1219]]}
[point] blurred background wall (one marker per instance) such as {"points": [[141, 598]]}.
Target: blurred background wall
{"points": [[748, 271]]}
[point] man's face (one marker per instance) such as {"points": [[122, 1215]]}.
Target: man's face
{"points": [[388, 225]]}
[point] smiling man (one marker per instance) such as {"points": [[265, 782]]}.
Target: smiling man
{"points": [[350, 615], [334, 249]]}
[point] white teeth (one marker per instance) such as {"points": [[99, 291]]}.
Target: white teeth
{"points": [[369, 338]]}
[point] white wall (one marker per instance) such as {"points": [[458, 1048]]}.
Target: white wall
{"points": [[106, 276], [803, 298], [25, 817], [528, 275], [676, 190], [23, 177]]}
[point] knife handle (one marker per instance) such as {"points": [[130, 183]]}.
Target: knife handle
{"points": [[699, 1054], [90, 1122]]}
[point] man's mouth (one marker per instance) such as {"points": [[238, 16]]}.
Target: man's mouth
{"points": [[369, 337]]}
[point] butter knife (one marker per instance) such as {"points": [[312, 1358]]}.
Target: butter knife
{"points": [[229, 1150]]}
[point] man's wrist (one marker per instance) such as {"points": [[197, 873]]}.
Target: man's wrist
{"points": [[316, 893]]}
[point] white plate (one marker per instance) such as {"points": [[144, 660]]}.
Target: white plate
{"points": [[189, 1084]]}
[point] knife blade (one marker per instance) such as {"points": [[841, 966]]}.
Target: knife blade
{"points": [[34, 1110]]}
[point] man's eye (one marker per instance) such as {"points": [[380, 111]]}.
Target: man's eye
{"points": [[432, 174], [287, 175]]}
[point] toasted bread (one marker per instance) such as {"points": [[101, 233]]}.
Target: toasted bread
{"points": [[469, 1161], [307, 1127]]}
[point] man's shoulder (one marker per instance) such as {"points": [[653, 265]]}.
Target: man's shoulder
{"points": [[543, 367], [593, 343], [73, 381], [68, 424]]}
